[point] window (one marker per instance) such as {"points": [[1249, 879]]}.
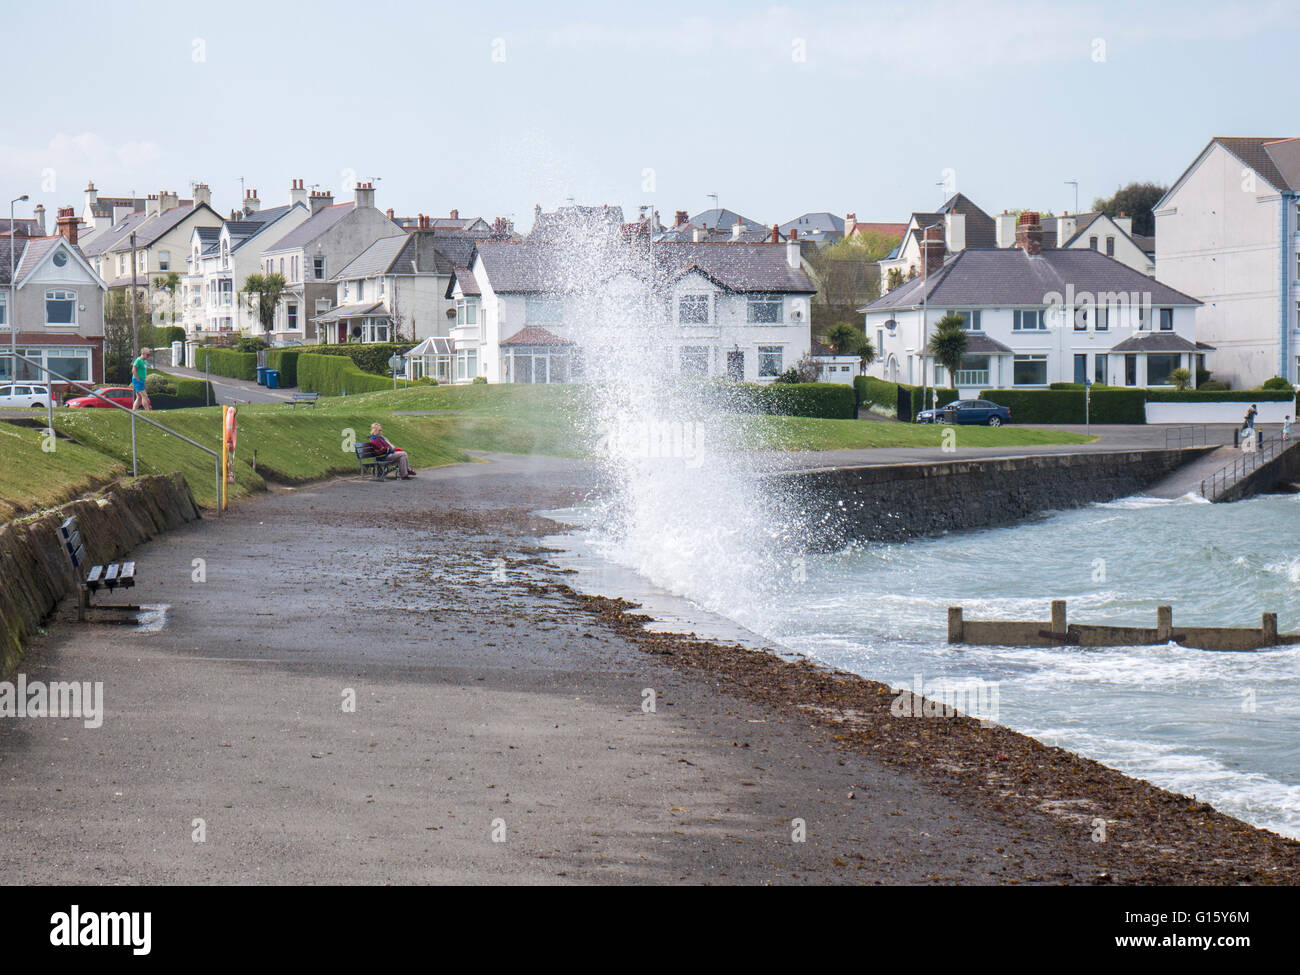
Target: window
{"points": [[164, 260], [1099, 366], [381, 286], [322, 305], [1030, 320], [1130, 369], [293, 268], [693, 309], [4, 310], [70, 361], [60, 307], [282, 267], [1092, 242], [361, 291], [73, 363], [1103, 318], [1081, 319], [1159, 366], [763, 309], [1144, 320], [318, 268], [60, 259], [466, 311], [143, 262], [771, 358], [1030, 370], [291, 315], [1081, 368], [543, 310], [1166, 319], [970, 320], [693, 360], [1110, 246]]}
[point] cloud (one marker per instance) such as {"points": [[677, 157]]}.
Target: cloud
{"points": [[69, 160]]}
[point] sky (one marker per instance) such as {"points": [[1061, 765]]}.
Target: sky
{"points": [[874, 108]]}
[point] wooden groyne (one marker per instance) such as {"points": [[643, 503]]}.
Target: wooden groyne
{"points": [[1058, 632]]}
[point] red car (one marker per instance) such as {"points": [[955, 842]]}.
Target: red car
{"points": [[121, 395]]}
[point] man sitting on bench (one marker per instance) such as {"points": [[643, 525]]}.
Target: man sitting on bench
{"points": [[386, 451]]}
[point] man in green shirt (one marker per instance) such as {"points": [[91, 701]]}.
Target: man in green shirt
{"points": [[139, 370]]}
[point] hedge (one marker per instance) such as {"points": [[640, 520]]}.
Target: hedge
{"points": [[187, 388], [868, 389], [829, 401], [286, 361], [369, 357], [226, 362], [1219, 396], [1067, 405], [334, 375]]}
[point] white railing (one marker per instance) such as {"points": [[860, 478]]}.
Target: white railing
{"points": [[972, 377]]}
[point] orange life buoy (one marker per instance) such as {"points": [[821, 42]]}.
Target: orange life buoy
{"points": [[231, 429]]}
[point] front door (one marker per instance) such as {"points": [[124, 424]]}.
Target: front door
{"points": [[736, 365]]}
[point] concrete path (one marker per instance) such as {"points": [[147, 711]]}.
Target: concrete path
{"points": [[1187, 479], [236, 391]]}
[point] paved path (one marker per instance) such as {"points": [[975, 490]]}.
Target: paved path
{"points": [[234, 390]]}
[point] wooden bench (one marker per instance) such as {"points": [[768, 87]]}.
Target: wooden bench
{"points": [[111, 576], [308, 398], [372, 465]]}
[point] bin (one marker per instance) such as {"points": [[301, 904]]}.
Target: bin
{"points": [[261, 375], [272, 378]]}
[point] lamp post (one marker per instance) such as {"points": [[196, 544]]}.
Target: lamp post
{"points": [[11, 311]]}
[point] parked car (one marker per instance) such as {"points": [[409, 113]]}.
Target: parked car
{"points": [[24, 395], [979, 411], [929, 416], [121, 395]]}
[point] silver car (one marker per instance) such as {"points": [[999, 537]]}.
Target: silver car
{"points": [[21, 395]]}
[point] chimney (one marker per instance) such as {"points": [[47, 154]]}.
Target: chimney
{"points": [[319, 200], [1125, 223], [389, 214], [933, 250], [776, 234], [297, 192], [38, 212], [251, 203], [150, 205], [697, 234], [679, 218], [455, 214], [67, 224], [1065, 228], [850, 222], [1029, 233], [502, 229], [954, 231], [737, 229], [92, 195], [202, 194], [167, 199], [365, 195], [1006, 228], [792, 250]]}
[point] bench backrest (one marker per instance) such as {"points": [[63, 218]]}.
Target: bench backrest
{"points": [[365, 450], [72, 543], [310, 397]]}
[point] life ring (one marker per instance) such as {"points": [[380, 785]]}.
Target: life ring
{"points": [[231, 429]]}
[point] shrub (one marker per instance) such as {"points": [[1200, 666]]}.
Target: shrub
{"points": [[1181, 378], [226, 362], [165, 335], [879, 394], [1221, 396], [183, 388], [332, 375], [1277, 382], [156, 384], [1067, 405], [479, 380], [285, 360], [250, 343], [1212, 385], [830, 401], [372, 357]]}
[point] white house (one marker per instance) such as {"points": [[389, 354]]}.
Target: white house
{"points": [[963, 224], [1112, 236], [1228, 232], [708, 309], [1035, 316]]}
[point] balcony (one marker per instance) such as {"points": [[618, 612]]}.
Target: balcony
{"points": [[972, 377]]}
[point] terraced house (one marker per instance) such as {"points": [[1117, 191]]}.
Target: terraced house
{"points": [[703, 309]]}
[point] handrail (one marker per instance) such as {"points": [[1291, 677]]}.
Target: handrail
{"points": [[135, 466], [1245, 465]]}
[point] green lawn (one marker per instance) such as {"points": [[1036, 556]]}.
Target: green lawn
{"points": [[310, 443]]}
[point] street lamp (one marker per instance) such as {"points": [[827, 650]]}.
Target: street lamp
{"points": [[11, 311]]}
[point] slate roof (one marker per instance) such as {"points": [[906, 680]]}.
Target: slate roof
{"points": [[724, 219], [312, 227], [104, 205], [468, 283], [1156, 342], [532, 267], [977, 343], [814, 223], [22, 227], [106, 239], [151, 230], [415, 252], [27, 253], [1007, 277], [532, 335]]}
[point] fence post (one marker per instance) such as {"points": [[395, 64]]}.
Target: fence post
{"points": [[1058, 616], [956, 628], [1164, 622]]}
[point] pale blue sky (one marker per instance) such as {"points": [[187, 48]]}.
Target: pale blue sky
{"points": [[1014, 98]]}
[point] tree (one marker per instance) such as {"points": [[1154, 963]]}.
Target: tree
{"points": [[268, 288], [866, 354], [844, 339], [1181, 378], [847, 275], [169, 283], [895, 278], [1136, 200], [948, 344], [118, 347]]}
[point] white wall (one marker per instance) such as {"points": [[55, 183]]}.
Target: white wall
{"points": [[1218, 412]]}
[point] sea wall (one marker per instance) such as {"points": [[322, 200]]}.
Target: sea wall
{"points": [[35, 571], [1284, 468], [892, 502]]}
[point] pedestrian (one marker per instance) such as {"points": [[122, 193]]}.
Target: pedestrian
{"points": [[139, 372], [1250, 416], [1286, 427], [386, 451]]}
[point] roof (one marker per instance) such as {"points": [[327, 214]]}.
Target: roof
{"points": [[348, 311], [532, 335], [1156, 342], [29, 252], [533, 267], [1007, 277], [152, 229], [468, 283], [121, 231], [724, 219], [977, 343], [1276, 159], [418, 251], [814, 223], [312, 227], [103, 206], [895, 230], [434, 346], [581, 219], [22, 227]]}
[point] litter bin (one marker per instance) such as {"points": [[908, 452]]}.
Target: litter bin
{"points": [[261, 375], [272, 378]]}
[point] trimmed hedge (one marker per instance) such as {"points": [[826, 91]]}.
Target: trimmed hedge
{"points": [[1220, 396], [335, 375], [829, 401], [285, 360], [226, 362], [369, 357], [1067, 405], [187, 388], [868, 390]]}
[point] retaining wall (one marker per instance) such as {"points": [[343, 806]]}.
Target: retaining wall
{"points": [[35, 572]]}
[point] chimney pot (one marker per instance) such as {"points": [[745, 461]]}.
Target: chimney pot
{"points": [[455, 214], [1029, 233], [67, 224], [776, 233]]}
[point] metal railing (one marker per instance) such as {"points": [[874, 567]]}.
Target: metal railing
{"points": [[135, 457], [1192, 436], [1250, 461]]}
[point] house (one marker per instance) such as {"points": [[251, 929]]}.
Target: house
{"points": [[1228, 232], [963, 224], [855, 228], [1113, 236], [819, 228], [705, 309], [1035, 316], [686, 230], [102, 212], [833, 367], [311, 254], [221, 259], [398, 286], [583, 220], [33, 226], [55, 302], [145, 248]]}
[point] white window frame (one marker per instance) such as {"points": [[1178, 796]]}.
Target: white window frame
{"points": [[698, 303], [765, 303], [1030, 357], [766, 353], [66, 295]]}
